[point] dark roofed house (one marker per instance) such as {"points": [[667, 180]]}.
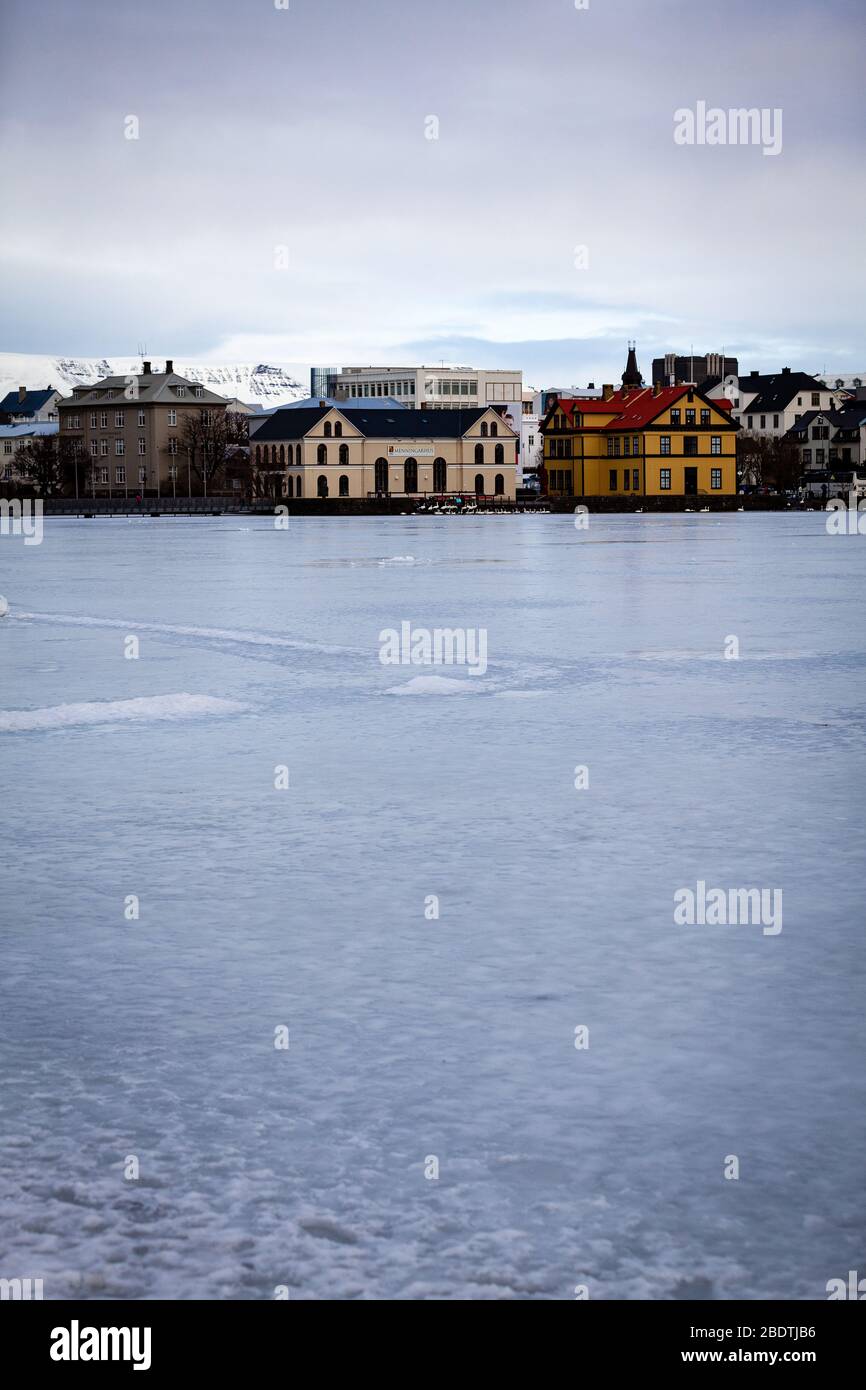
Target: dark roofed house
{"points": [[24, 407]]}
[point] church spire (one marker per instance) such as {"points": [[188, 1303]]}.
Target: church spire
{"points": [[631, 376]]}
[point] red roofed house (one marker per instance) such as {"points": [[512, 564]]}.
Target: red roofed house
{"points": [[647, 441]]}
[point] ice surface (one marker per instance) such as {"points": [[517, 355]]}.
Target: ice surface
{"points": [[451, 1037]]}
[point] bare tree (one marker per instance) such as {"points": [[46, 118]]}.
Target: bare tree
{"points": [[209, 436], [48, 463]]}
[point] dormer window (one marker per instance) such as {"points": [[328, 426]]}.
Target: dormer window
{"points": [[198, 390], [181, 390]]}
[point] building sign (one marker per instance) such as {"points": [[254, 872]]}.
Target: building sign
{"points": [[409, 451]]}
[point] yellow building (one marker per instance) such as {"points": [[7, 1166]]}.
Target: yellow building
{"points": [[640, 441]]}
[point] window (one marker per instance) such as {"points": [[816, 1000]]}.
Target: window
{"points": [[665, 479], [282, 455], [103, 419], [715, 477], [705, 417], [625, 478], [298, 457], [7, 446], [321, 486], [690, 446], [499, 453], [181, 390], [172, 444], [93, 419], [120, 473], [479, 484], [94, 447], [675, 417], [494, 428], [440, 475], [635, 478], [142, 475], [816, 398], [118, 419], [327, 429], [690, 417], [338, 429], [484, 428], [665, 444], [172, 417], [410, 475], [763, 422], [322, 456], [610, 447], [715, 444], [807, 455], [141, 419], [103, 448], [616, 447], [479, 453], [611, 482], [344, 455], [635, 445], [499, 484], [819, 456], [103, 475], [119, 447], [298, 487], [381, 475], [344, 485], [749, 421], [775, 422], [196, 390]]}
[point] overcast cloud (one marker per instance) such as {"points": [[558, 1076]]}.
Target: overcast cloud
{"points": [[305, 128]]}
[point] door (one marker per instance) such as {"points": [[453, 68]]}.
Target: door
{"points": [[691, 482]]}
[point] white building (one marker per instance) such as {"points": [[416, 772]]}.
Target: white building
{"points": [[427, 388], [772, 403]]}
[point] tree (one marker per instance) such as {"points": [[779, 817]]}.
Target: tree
{"points": [[767, 460], [209, 436], [48, 463]]}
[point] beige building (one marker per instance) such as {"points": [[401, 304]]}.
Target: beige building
{"points": [[131, 430], [329, 451]]}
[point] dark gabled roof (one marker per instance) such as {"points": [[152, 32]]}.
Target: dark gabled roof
{"points": [[777, 390], [850, 417], [161, 387], [709, 383], [289, 423], [33, 401]]}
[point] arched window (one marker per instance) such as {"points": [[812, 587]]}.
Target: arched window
{"points": [[299, 491], [479, 484], [322, 454], [282, 455], [338, 429], [327, 429], [499, 455], [322, 486], [494, 429], [410, 475], [344, 485], [440, 475], [258, 455], [484, 428], [344, 455], [298, 455], [381, 475], [499, 485], [290, 486], [479, 453]]}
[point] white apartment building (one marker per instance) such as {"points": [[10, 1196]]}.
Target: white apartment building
{"points": [[428, 388], [772, 403]]}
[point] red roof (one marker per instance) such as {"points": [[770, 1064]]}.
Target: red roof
{"points": [[632, 411]]}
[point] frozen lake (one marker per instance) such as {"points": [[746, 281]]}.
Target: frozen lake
{"points": [[413, 1038]]}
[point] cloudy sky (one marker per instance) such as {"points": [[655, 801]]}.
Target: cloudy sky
{"points": [[283, 201]]}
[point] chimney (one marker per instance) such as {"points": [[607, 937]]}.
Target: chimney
{"points": [[322, 404], [754, 373], [145, 368], [169, 366], [786, 371], [606, 391], [657, 386], [22, 392], [591, 386]]}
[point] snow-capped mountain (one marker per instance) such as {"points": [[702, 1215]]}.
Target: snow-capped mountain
{"points": [[263, 384]]}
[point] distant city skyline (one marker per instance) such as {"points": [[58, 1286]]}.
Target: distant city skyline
{"points": [[283, 201]]}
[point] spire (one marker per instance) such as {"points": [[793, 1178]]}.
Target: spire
{"points": [[631, 376]]}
